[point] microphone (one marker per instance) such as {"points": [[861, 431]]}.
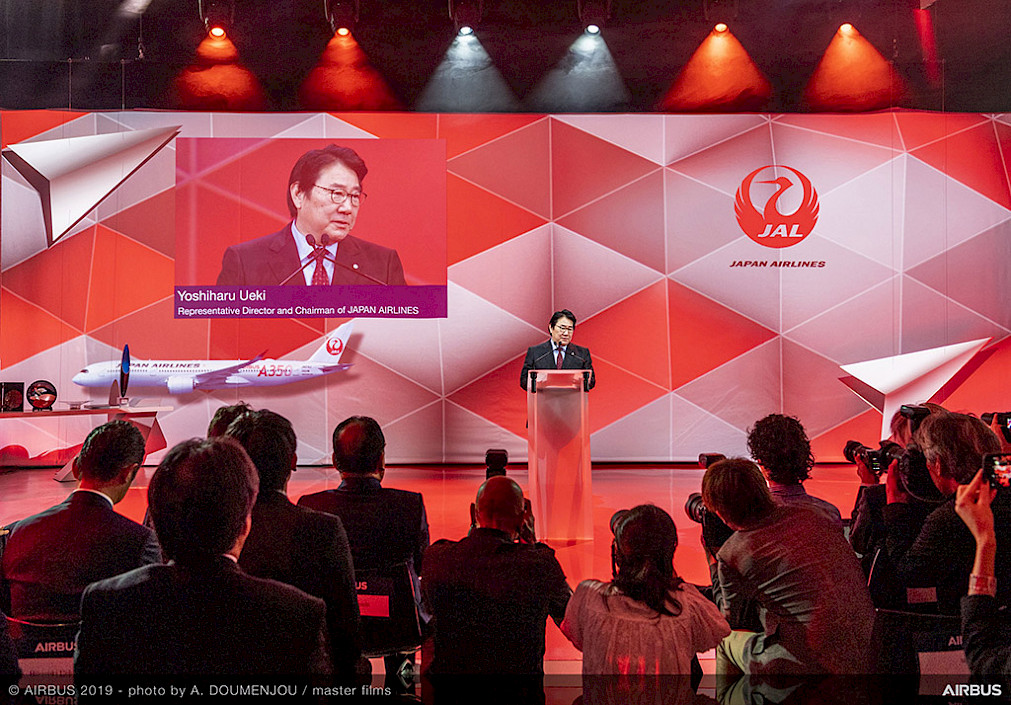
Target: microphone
{"points": [[319, 254]]}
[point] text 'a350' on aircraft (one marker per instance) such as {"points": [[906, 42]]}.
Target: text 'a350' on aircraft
{"points": [[183, 376]]}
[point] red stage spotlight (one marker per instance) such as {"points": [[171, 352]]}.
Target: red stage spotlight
{"points": [[342, 15], [720, 76], [217, 81], [217, 16], [720, 28], [345, 80], [853, 75]]}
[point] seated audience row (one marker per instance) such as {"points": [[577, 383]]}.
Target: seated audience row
{"points": [[257, 585]]}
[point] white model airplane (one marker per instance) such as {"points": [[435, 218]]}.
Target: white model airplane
{"points": [[184, 376]]}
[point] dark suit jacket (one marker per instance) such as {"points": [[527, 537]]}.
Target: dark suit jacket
{"points": [[384, 525], [52, 556], [269, 260], [491, 598], [542, 357], [309, 550], [207, 618]]}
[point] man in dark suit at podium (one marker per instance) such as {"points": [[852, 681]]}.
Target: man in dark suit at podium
{"points": [[558, 353]]}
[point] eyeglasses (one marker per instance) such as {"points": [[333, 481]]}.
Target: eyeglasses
{"points": [[339, 196], [564, 329]]}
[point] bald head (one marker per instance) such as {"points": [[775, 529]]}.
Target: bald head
{"points": [[359, 446], [499, 504]]}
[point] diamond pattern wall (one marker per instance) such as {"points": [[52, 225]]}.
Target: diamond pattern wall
{"points": [[629, 220]]}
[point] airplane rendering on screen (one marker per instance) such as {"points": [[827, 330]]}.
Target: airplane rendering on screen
{"points": [[184, 376]]}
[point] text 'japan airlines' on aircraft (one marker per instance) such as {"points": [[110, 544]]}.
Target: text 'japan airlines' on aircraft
{"points": [[183, 376]]}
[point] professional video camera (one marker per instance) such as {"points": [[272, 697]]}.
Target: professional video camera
{"points": [[714, 531], [912, 469]]}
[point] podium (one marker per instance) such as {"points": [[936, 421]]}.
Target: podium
{"points": [[558, 454]]}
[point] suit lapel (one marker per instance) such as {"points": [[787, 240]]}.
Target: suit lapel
{"points": [[285, 258]]}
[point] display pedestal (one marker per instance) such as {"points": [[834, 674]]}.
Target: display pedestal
{"points": [[558, 454], [144, 418]]}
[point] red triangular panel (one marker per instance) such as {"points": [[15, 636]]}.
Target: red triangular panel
{"points": [[866, 428], [465, 132], [639, 346], [152, 332], [28, 330], [497, 397], [479, 219], [125, 276], [585, 167], [514, 167], [63, 290], [617, 394], [704, 334], [151, 222], [972, 157], [19, 125], [629, 221], [393, 125], [920, 128]]}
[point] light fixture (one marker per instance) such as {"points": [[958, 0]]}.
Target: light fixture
{"points": [[218, 16], [593, 14], [342, 15], [846, 28], [466, 15], [721, 11], [720, 28]]}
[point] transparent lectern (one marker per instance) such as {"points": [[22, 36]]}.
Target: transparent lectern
{"points": [[558, 453]]}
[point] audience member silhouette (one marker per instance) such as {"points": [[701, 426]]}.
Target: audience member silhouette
{"points": [[491, 592], [201, 614], [816, 612], [933, 560], [780, 446], [52, 556], [295, 545], [646, 621]]}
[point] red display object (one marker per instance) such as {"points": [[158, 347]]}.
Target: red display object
{"points": [[559, 455]]}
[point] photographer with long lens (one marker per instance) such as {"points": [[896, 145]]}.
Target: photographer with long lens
{"points": [[867, 520], [933, 561]]}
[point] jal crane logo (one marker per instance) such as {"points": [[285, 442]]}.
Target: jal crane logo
{"points": [[770, 227], [335, 346]]}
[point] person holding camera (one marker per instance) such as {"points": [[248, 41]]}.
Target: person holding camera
{"points": [[817, 615], [986, 636], [646, 621], [868, 532], [933, 561]]}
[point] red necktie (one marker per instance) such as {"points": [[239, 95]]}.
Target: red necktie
{"points": [[319, 277], [559, 358]]}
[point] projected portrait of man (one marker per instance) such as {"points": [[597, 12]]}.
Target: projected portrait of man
{"points": [[317, 248]]}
